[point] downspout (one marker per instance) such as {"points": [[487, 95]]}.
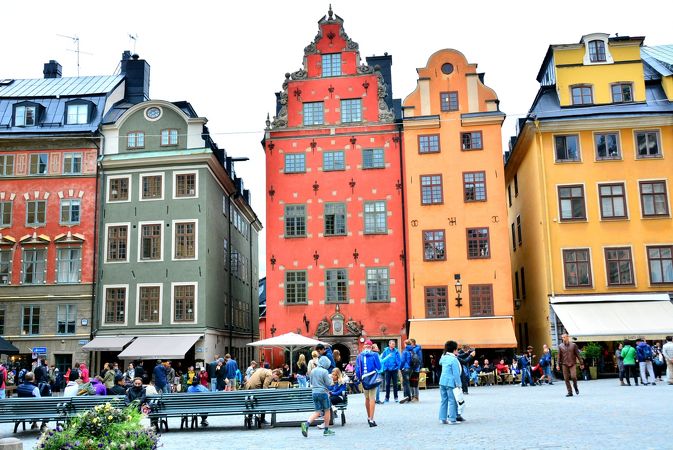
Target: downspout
{"points": [[405, 261], [231, 287], [94, 296], [252, 295]]}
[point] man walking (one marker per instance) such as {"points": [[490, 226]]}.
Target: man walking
{"points": [[366, 365], [230, 369], [213, 374], [391, 360], [465, 357], [160, 381], [667, 351], [568, 354], [644, 353]]}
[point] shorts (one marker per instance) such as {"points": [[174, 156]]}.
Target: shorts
{"points": [[369, 393], [321, 401]]}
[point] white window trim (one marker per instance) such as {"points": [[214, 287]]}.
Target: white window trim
{"points": [[619, 145], [196, 239], [196, 302], [626, 200], [587, 56], [107, 190], [558, 204], [72, 154], [140, 237], [640, 198], [196, 184], [128, 241], [592, 287], [161, 303], [140, 186], [126, 305], [633, 267], [579, 147], [660, 143]]}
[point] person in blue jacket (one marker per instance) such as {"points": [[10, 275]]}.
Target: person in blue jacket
{"points": [[230, 369], [391, 360], [337, 391], [405, 368], [449, 380], [326, 351], [525, 363], [416, 369]]}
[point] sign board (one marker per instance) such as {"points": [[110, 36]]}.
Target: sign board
{"points": [[83, 341], [40, 350]]}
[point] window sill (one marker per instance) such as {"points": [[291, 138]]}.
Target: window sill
{"points": [[432, 204], [655, 217], [582, 220], [374, 168], [295, 237], [474, 201], [576, 288], [638, 157], [614, 219], [335, 235], [434, 260], [294, 173], [380, 233], [568, 161], [295, 303], [609, 159], [378, 301]]}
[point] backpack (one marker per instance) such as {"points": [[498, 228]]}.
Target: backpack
{"points": [[45, 389], [415, 363], [647, 352], [22, 373]]}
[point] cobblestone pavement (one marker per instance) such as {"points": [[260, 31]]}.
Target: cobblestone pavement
{"points": [[604, 416]]}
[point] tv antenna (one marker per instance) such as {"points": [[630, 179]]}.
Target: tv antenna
{"points": [[75, 40], [134, 38]]}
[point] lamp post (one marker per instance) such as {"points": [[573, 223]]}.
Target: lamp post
{"points": [[459, 290]]}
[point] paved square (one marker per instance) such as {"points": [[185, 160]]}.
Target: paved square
{"points": [[604, 415]]}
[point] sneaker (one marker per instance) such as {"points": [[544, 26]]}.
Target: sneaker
{"points": [[304, 429], [460, 419], [397, 401], [569, 394], [372, 423], [654, 384], [454, 423], [379, 402], [444, 422], [388, 400], [204, 423], [577, 391], [328, 432], [405, 400], [321, 426]]}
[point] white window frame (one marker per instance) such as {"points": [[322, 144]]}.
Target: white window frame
{"points": [[128, 241], [72, 156], [175, 184], [161, 303], [116, 177], [69, 222], [196, 239], [196, 302], [78, 114], [25, 108], [140, 186], [126, 305], [140, 240]]}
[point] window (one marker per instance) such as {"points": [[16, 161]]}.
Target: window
{"points": [[607, 146], [509, 195], [185, 185], [648, 144], [336, 286], [582, 95], [5, 214], [571, 202], [184, 302], [150, 242], [434, 245], [518, 230], [375, 217], [72, 163], [38, 163], [660, 259], [428, 143], [34, 266], [25, 116], [335, 219], [185, 240], [516, 185], [31, 320], [5, 268], [478, 243], [295, 286], [577, 268], [169, 137], [2, 322], [295, 163], [523, 283], [36, 211], [378, 285], [448, 101], [471, 141], [135, 139], [331, 65], [431, 189], [70, 212], [373, 158], [295, 220], [474, 186], [653, 198], [69, 265], [6, 165], [150, 301], [567, 148], [513, 238], [622, 93], [115, 305], [313, 113], [65, 319], [117, 244], [481, 300], [619, 266], [152, 187], [597, 51], [119, 189], [613, 201], [517, 289], [333, 161], [436, 302], [77, 114], [351, 110]]}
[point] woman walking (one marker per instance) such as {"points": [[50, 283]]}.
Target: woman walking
{"points": [[629, 358], [449, 380], [620, 363], [302, 368]]}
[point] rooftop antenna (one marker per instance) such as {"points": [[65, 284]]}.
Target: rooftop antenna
{"points": [[75, 40], [134, 38]]}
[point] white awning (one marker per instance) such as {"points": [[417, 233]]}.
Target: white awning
{"points": [[107, 343], [172, 346], [614, 317]]}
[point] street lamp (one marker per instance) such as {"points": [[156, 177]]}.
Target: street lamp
{"points": [[459, 289]]}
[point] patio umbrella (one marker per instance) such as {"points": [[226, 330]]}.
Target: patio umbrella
{"points": [[6, 348], [288, 341]]}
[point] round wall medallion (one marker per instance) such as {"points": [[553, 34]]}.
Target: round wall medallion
{"points": [[447, 68], [153, 113]]}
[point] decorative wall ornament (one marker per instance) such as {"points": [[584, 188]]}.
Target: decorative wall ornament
{"points": [[385, 114], [322, 328], [364, 69], [353, 327], [312, 48], [350, 44], [300, 74]]}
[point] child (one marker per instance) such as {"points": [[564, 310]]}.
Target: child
{"points": [[320, 382]]}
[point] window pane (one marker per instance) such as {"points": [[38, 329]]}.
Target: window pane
{"points": [[351, 110], [313, 113]]}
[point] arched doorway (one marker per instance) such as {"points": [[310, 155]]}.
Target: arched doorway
{"points": [[344, 351]]}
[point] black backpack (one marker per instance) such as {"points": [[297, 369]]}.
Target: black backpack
{"points": [[45, 390], [415, 363]]}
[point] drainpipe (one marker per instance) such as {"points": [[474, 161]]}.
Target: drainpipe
{"points": [[405, 262], [231, 278], [97, 202]]}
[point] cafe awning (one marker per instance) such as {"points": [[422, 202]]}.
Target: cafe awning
{"points": [[615, 317], [477, 332], [107, 343], [6, 348], [173, 346]]}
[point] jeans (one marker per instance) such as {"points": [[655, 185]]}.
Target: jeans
{"points": [[474, 377], [406, 390], [378, 389], [166, 389], [391, 380], [645, 369], [448, 403], [630, 371], [2, 393], [301, 379], [213, 384], [526, 375], [547, 372]]}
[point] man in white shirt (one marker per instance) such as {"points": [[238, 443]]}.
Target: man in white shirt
{"points": [[667, 351], [72, 388]]}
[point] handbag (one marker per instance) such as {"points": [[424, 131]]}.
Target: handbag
{"points": [[460, 399], [371, 380]]}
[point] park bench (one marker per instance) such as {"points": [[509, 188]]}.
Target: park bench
{"points": [[22, 410], [285, 401], [83, 403]]}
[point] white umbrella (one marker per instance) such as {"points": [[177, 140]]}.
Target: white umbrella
{"points": [[288, 341]]}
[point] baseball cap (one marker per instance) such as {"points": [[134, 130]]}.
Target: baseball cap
{"points": [[369, 342]]}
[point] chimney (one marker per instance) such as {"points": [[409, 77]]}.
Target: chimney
{"points": [[385, 63], [137, 72], [52, 69]]}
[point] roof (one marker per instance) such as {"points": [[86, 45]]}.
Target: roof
{"points": [[52, 87], [659, 58]]}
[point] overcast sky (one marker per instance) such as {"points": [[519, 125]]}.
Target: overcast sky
{"points": [[229, 57]]}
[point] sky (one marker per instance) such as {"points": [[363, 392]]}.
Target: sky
{"points": [[229, 57]]}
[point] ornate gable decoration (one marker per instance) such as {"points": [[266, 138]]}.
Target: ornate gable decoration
{"points": [[69, 238], [330, 18], [35, 239], [7, 240]]}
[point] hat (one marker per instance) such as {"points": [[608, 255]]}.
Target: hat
{"points": [[119, 377], [369, 342]]}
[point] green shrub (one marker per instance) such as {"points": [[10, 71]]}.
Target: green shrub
{"points": [[592, 351], [103, 427]]}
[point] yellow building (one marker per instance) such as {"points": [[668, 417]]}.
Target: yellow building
{"points": [[457, 248], [588, 185]]}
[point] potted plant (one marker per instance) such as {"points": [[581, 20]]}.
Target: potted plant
{"points": [[592, 351]]}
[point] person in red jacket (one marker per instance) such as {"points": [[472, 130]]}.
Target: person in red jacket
{"points": [[203, 377]]}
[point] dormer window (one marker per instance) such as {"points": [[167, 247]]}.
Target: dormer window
{"points": [[25, 116], [77, 114], [622, 92], [597, 51], [582, 95], [331, 65]]}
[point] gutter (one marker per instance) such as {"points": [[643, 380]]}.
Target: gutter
{"points": [[404, 232]]}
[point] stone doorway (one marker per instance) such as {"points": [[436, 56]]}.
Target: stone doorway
{"points": [[344, 352]]}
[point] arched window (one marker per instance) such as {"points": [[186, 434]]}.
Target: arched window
{"points": [[597, 51]]}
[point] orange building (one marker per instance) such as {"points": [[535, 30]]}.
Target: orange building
{"points": [[459, 270]]}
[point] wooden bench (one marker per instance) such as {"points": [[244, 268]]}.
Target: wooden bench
{"points": [[285, 401], [22, 410]]}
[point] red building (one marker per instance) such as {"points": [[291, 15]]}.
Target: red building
{"points": [[335, 237]]}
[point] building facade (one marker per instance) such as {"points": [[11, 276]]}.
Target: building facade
{"points": [[335, 239], [588, 194], [459, 269]]}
